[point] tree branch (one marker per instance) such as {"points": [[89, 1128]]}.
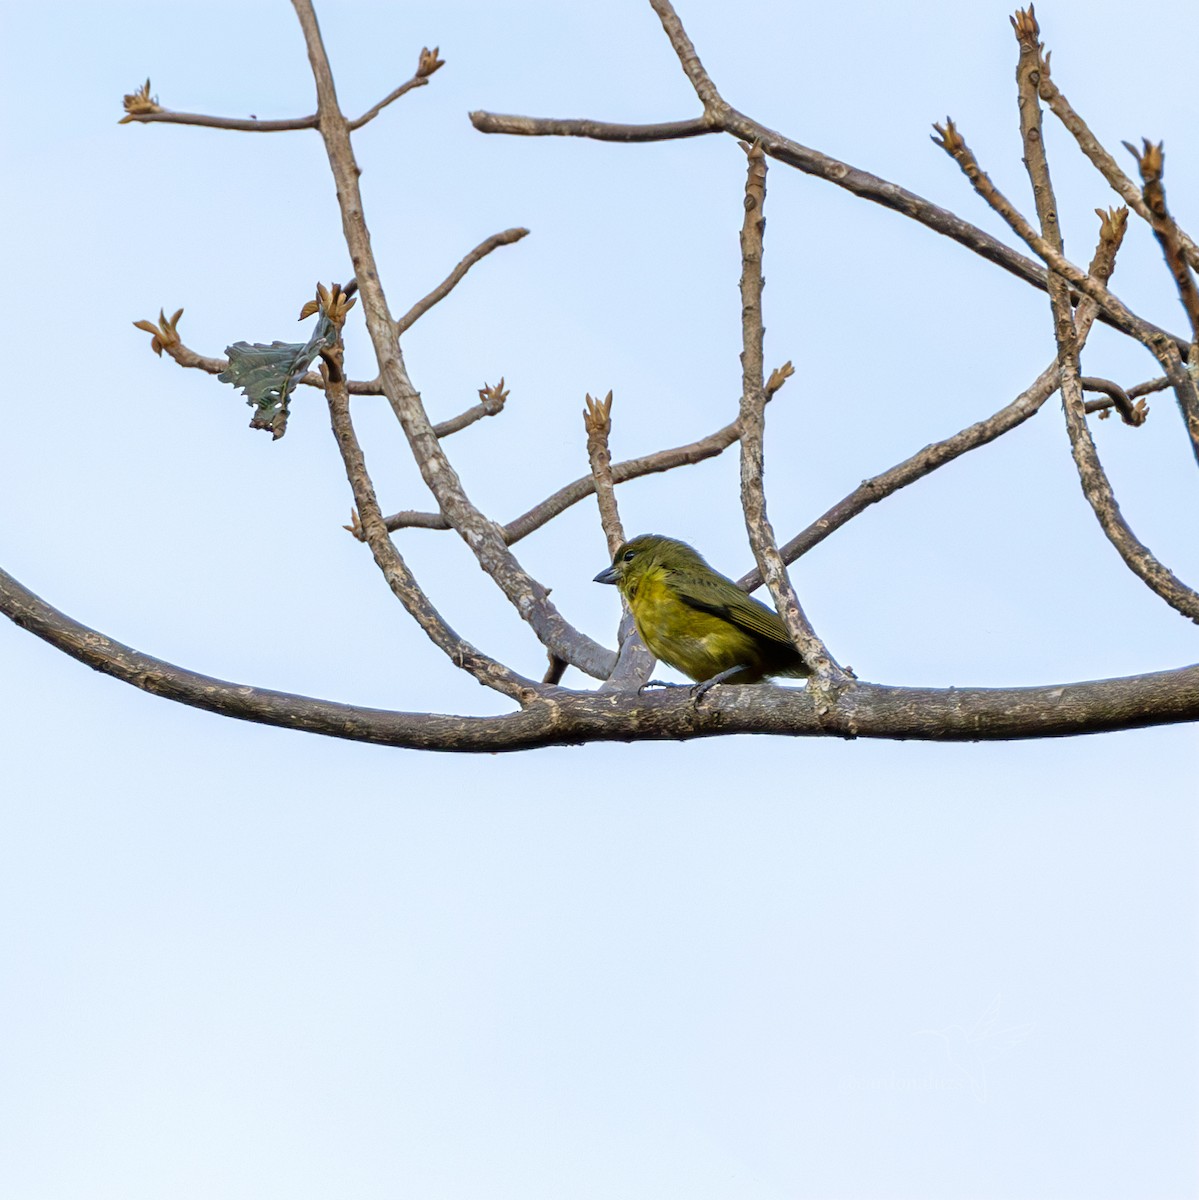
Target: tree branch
{"points": [[634, 661], [482, 536], [486, 670], [1027, 404], [1161, 345], [753, 427], [1103, 162], [1091, 474], [447, 285], [718, 115], [560, 717], [633, 468], [600, 131]]}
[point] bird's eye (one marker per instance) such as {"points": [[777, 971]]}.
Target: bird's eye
{"points": [[628, 556]]}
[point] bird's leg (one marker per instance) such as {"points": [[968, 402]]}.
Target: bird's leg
{"points": [[699, 690]]}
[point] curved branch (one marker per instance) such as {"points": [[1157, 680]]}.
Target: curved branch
{"points": [[560, 717], [451, 281]]}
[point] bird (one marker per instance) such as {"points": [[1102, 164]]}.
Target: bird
{"points": [[697, 620]]}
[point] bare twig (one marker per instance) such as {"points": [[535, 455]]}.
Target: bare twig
{"points": [[600, 131], [491, 402], [443, 289], [426, 65], [597, 421], [1094, 480], [239, 124], [1103, 162], [634, 662], [164, 336], [633, 468], [753, 407], [143, 110], [1164, 347], [1131, 412], [1151, 163], [528, 596]]}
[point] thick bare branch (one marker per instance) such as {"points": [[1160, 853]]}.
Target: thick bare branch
{"points": [[566, 718], [528, 596]]}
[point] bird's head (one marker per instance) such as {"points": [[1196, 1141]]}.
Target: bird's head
{"points": [[645, 553]]}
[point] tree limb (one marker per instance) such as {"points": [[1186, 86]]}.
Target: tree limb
{"points": [[561, 717], [753, 427], [482, 536], [1091, 474]]}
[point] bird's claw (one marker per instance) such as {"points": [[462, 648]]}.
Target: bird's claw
{"points": [[662, 683]]}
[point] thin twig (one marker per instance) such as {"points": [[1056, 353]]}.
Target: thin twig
{"points": [[565, 497], [207, 121], [140, 109], [1151, 163], [1132, 413], [426, 65], [1095, 484], [447, 285], [1164, 347], [1103, 162], [753, 424], [491, 403], [634, 661]]}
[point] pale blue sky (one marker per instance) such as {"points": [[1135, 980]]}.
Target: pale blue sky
{"points": [[241, 962]]}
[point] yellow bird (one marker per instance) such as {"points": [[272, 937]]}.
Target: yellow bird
{"points": [[697, 620]]}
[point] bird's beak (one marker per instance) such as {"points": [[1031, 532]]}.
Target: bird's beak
{"points": [[607, 575]]}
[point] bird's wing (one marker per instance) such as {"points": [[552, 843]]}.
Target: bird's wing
{"points": [[723, 598]]}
